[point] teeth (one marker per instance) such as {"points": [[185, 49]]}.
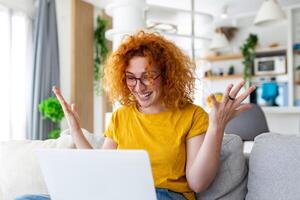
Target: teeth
{"points": [[145, 95]]}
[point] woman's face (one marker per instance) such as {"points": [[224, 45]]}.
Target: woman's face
{"points": [[147, 93]]}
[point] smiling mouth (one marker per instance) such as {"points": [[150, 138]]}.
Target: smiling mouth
{"points": [[144, 96]]}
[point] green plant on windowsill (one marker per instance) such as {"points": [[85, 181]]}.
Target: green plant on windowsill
{"points": [[51, 109], [101, 51], [248, 52]]}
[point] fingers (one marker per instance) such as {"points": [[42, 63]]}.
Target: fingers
{"points": [[213, 100], [74, 109], [242, 108], [227, 91], [236, 90], [62, 101], [245, 94]]}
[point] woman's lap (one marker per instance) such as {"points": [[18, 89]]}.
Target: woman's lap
{"points": [[33, 197], [161, 194], [165, 194]]}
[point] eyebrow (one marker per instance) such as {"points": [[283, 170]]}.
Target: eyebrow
{"points": [[142, 73]]}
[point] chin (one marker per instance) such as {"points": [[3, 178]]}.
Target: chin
{"points": [[145, 104]]}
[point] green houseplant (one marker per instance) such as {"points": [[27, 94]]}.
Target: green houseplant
{"points": [[51, 109], [248, 52], [101, 51]]}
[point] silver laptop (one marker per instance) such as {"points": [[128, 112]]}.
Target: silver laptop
{"points": [[72, 174]]}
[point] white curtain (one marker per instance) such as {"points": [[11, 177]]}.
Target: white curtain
{"points": [[15, 61]]}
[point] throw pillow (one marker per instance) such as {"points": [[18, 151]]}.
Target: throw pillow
{"points": [[230, 182]]}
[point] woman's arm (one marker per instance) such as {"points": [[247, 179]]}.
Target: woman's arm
{"points": [[109, 144], [73, 120], [203, 151]]}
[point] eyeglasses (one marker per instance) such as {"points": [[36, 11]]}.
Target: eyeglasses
{"points": [[146, 79]]}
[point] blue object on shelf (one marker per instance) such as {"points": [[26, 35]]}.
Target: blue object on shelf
{"points": [[270, 93], [296, 46]]}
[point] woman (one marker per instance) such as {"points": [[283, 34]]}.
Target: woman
{"points": [[154, 81]]}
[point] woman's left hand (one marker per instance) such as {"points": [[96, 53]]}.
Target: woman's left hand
{"points": [[230, 106]]}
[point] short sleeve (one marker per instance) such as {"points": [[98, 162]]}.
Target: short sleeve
{"points": [[199, 123], [111, 131]]}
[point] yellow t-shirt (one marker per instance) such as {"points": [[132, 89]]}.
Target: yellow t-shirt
{"points": [[163, 136]]}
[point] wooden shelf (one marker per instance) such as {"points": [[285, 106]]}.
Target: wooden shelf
{"points": [[212, 78], [223, 57], [297, 82], [297, 52], [239, 55], [270, 49]]}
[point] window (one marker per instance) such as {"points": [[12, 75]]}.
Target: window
{"points": [[15, 55]]}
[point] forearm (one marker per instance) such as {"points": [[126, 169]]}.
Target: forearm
{"points": [[206, 163], [79, 140]]}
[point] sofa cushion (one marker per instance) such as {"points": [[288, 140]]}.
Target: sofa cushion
{"points": [[19, 169], [274, 165], [230, 182], [96, 140]]}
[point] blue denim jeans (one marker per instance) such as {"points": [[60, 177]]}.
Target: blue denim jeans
{"points": [[161, 194]]}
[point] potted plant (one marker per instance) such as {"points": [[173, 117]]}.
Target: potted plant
{"points": [[51, 109], [231, 70], [101, 51], [248, 52]]}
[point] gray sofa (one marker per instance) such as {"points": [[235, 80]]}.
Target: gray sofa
{"points": [[270, 172]]}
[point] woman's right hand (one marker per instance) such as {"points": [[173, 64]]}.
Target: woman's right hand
{"points": [[70, 112]]}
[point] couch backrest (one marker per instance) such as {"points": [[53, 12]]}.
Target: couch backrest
{"points": [[274, 167], [248, 124]]}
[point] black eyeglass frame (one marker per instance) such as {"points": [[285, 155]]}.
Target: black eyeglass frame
{"points": [[141, 80]]}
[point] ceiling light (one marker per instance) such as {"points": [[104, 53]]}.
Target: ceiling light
{"points": [[162, 27], [219, 41], [224, 13], [270, 11]]}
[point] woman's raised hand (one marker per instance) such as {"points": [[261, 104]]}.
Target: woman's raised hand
{"points": [[70, 111], [230, 106]]}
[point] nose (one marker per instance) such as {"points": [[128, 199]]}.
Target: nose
{"points": [[139, 86]]}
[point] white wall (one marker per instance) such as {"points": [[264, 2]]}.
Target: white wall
{"points": [[266, 35], [276, 33], [26, 6], [98, 105], [63, 9]]}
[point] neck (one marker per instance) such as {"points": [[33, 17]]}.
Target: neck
{"points": [[151, 109]]}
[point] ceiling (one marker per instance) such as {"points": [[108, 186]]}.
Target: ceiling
{"points": [[236, 8]]}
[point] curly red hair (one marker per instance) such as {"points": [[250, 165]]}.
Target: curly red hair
{"points": [[176, 67]]}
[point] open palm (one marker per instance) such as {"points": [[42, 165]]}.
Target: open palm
{"points": [[230, 106], [70, 111]]}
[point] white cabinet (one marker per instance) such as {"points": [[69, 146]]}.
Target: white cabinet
{"points": [[285, 120]]}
